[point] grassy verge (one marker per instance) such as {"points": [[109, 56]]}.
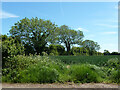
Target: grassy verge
{"points": [[42, 69]]}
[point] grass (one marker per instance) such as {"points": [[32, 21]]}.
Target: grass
{"points": [[77, 69]]}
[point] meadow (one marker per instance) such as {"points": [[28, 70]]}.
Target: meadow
{"points": [[62, 69]]}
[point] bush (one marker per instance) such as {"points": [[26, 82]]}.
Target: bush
{"points": [[51, 54], [32, 69], [44, 54], [113, 63], [10, 47], [39, 74], [83, 74], [115, 76], [113, 71]]}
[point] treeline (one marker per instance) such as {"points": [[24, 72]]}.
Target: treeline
{"points": [[106, 52], [38, 36]]}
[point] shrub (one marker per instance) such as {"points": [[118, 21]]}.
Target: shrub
{"points": [[113, 63], [39, 74], [83, 74], [51, 54], [113, 71], [44, 54], [10, 47], [35, 69], [115, 76]]}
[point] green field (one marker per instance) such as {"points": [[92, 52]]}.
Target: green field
{"points": [[95, 60]]}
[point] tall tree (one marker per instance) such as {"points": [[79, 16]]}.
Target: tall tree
{"points": [[69, 37], [33, 32], [91, 46]]}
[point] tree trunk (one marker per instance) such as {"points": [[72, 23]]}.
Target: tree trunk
{"points": [[68, 47]]}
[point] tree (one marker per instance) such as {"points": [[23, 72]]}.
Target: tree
{"points": [[69, 37], [91, 46], [114, 53], [60, 49], [33, 33], [56, 49], [53, 49], [106, 52]]}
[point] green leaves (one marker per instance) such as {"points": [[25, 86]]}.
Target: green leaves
{"points": [[69, 36], [34, 32], [10, 48], [91, 46]]}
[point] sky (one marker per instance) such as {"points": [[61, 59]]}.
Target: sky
{"points": [[97, 20]]}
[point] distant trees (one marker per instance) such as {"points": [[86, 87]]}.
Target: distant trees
{"points": [[106, 52], [115, 53], [79, 51], [91, 46]]}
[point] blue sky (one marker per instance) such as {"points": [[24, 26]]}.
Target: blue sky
{"points": [[98, 21]]}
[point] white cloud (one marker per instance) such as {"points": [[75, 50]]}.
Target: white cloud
{"points": [[109, 33], [4, 14], [107, 25], [82, 29]]}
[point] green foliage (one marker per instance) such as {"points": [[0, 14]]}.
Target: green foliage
{"points": [[60, 49], [44, 54], [18, 63], [115, 76], [113, 63], [51, 54], [106, 52], [91, 46], [56, 50], [33, 32], [53, 50], [114, 72], [29, 49], [83, 74], [39, 74], [69, 37], [10, 48], [76, 51], [35, 69], [42, 69]]}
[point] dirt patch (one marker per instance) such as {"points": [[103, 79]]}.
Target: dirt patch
{"points": [[56, 85]]}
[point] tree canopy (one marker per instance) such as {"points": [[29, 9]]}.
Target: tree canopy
{"points": [[69, 36], [34, 33], [91, 46]]}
